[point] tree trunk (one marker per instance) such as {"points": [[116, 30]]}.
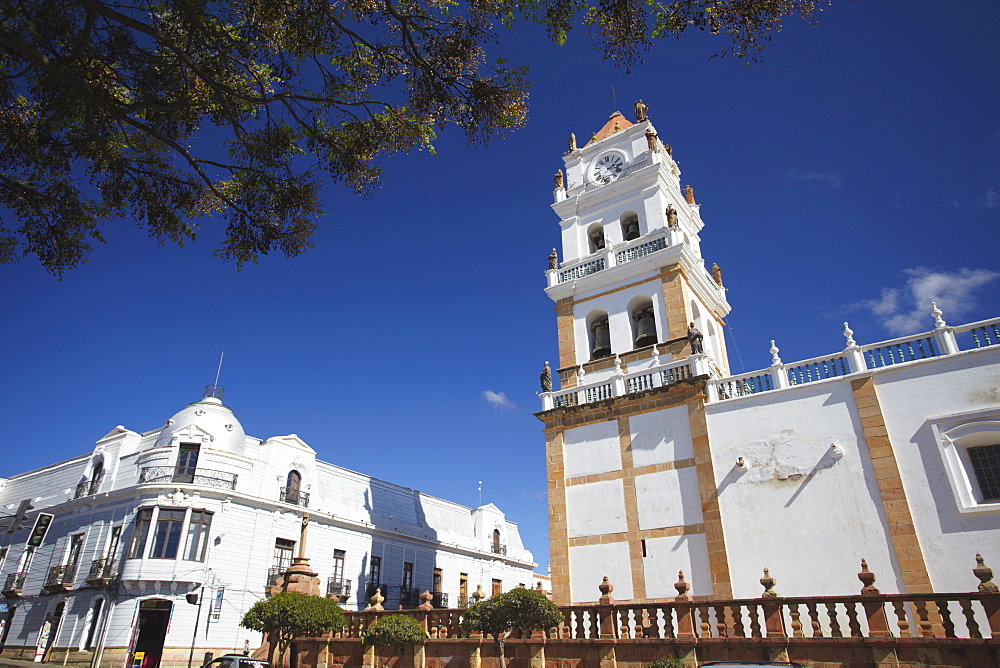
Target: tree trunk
{"points": [[500, 652]]}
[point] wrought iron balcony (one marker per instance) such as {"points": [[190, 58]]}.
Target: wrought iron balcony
{"points": [[372, 586], [439, 600], [88, 487], [338, 587], [60, 578], [203, 477], [273, 573], [497, 548], [409, 597], [14, 584], [295, 497], [102, 572]]}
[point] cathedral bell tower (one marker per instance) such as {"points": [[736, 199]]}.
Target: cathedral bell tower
{"points": [[625, 427]]}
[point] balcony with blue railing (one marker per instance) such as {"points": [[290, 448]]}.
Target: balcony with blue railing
{"points": [[615, 254], [942, 341]]}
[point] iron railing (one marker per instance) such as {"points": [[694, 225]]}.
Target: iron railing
{"points": [[294, 496], [61, 576], [15, 582], [88, 487], [409, 596], [203, 477], [372, 586], [497, 548], [273, 573], [338, 587], [440, 599], [101, 570]]}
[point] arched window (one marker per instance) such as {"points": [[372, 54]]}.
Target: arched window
{"points": [[599, 335], [630, 225], [96, 476], [643, 322], [292, 486], [498, 548], [595, 237]]}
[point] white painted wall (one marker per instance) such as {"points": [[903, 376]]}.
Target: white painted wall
{"points": [[595, 508], [589, 564], [591, 449], [796, 508], [913, 399], [661, 436]]}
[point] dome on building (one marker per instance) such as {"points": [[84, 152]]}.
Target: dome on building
{"points": [[211, 416]]}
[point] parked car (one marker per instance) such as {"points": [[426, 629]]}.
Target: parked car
{"points": [[236, 661]]}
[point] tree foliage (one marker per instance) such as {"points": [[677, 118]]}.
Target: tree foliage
{"points": [[166, 111], [290, 615], [519, 608], [396, 631]]}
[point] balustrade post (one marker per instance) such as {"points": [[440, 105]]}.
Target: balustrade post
{"points": [[878, 623], [605, 611], [552, 277], [699, 365], [779, 376], [685, 615], [991, 606], [713, 391], [943, 334], [855, 357], [548, 402], [774, 620], [609, 255], [618, 381]]}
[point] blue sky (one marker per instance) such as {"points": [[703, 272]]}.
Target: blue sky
{"points": [[853, 173]]}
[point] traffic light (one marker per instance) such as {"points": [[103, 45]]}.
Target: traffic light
{"points": [[20, 519], [41, 528]]}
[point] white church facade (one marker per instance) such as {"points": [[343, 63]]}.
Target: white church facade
{"points": [[160, 541], [660, 460]]}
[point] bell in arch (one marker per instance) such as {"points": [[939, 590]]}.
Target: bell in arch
{"points": [[602, 340], [631, 229], [645, 329]]}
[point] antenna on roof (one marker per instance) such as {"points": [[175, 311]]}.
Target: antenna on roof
{"points": [[480, 492], [219, 370], [215, 390]]}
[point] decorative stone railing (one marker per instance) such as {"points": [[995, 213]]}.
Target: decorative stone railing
{"points": [[203, 477], [941, 341], [615, 254], [621, 384], [819, 628]]}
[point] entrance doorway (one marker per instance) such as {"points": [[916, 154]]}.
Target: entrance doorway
{"points": [[47, 634], [154, 617]]}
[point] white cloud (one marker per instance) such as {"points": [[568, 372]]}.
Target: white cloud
{"points": [[498, 401], [831, 179], [907, 310], [991, 199]]}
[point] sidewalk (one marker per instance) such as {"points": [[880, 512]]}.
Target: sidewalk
{"points": [[5, 662]]}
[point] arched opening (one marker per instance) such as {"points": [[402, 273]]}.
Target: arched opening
{"points": [[92, 623], [712, 342], [599, 335], [696, 343], [293, 484], [498, 548], [643, 322], [630, 225], [96, 476], [595, 237], [48, 632]]}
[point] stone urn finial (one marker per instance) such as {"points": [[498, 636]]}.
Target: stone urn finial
{"points": [[775, 360], [606, 588], [768, 583], [867, 579], [425, 601], [939, 322], [985, 575], [849, 335], [377, 599], [479, 594], [682, 587]]}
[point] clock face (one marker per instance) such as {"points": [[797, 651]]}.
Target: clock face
{"points": [[609, 168]]}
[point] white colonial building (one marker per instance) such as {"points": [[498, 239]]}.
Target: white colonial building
{"points": [[660, 461], [160, 541]]}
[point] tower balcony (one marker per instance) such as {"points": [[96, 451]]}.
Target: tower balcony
{"points": [[940, 342]]}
